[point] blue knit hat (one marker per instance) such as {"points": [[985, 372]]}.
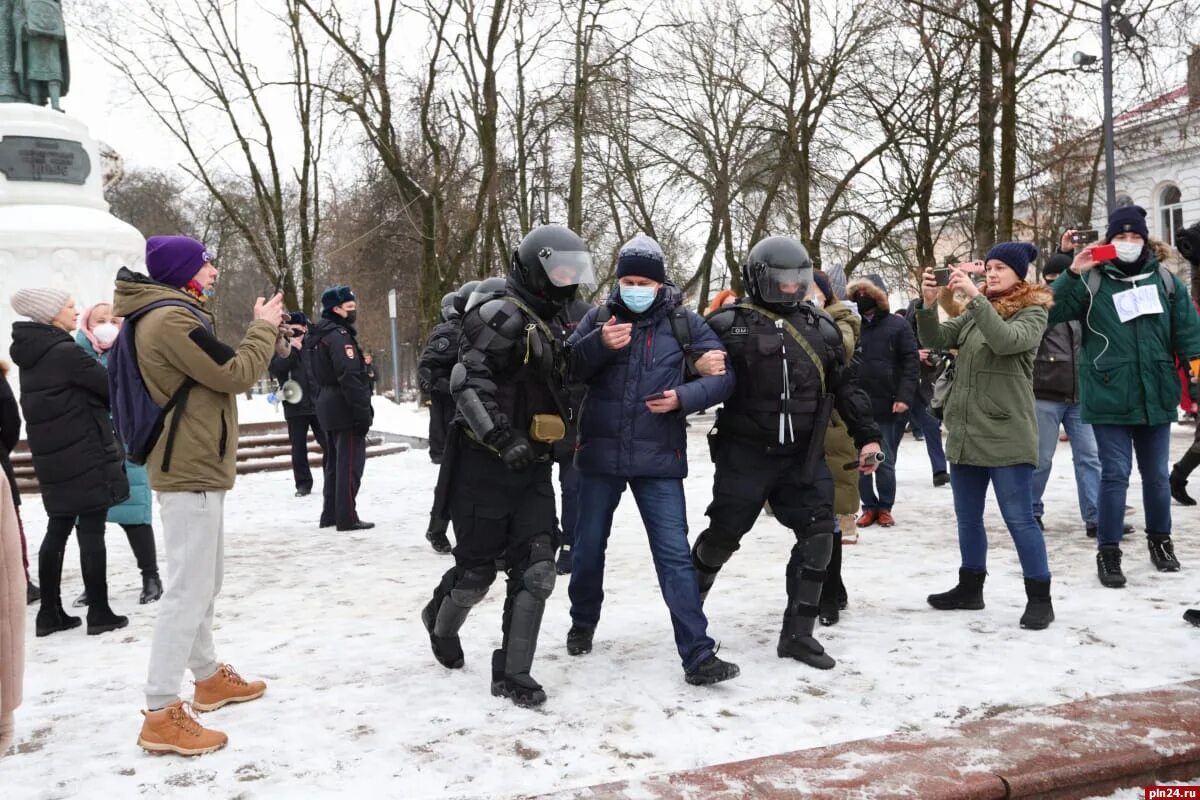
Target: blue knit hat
{"points": [[642, 256], [1127, 219], [175, 260], [1016, 255], [335, 296]]}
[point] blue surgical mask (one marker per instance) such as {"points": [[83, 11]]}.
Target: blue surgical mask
{"points": [[638, 298]]}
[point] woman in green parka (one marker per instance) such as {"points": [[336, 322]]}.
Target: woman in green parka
{"points": [[989, 414], [98, 329], [1137, 317]]}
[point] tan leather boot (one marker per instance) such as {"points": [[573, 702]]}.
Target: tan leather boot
{"points": [[175, 729], [225, 686]]}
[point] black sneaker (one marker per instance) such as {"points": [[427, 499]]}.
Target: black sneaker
{"points": [[1162, 553], [579, 640], [1192, 615], [711, 670], [941, 478], [1108, 567], [441, 544], [361, 525], [104, 623]]}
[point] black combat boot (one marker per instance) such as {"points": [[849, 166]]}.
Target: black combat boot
{"points": [[796, 641], [442, 618], [579, 640], [1108, 566], [1039, 612], [1162, 552], [967, 595]]}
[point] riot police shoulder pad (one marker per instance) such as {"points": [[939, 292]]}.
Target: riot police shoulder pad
{"points": [[502, 316], [723, 321]]}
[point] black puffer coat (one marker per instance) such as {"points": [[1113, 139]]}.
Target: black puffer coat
{"points": [[10, 431], [64, 396]]}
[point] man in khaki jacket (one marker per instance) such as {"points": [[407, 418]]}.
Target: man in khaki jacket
{"points": [[192, 466]]}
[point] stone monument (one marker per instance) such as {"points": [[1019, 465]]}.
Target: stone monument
{"points": [[55, 229]]}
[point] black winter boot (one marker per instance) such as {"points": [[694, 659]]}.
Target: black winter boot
{"points": [[1179, 477], [1192, 615], [579, 640], [1039, 612], [152, 589], [967, 595], [100, 617], [796, 641], [1108, 566], [51, 618], [523, 690], [711, 670], [1162, 552]]}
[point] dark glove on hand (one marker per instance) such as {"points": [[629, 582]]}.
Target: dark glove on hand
{"points": [[517, 454]]}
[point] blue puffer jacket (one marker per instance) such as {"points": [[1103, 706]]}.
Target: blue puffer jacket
{"points": [[138, 509], [618, 435]]}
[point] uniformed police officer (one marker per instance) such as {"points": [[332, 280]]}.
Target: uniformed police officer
{"points": [[433, 374], [768, 442], [343, 406], [508, 386]]}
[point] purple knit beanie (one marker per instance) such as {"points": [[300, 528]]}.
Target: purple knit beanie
{"points": [[175, 260]]}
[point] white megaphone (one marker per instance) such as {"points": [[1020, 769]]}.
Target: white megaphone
{"points": [[291, 392]]}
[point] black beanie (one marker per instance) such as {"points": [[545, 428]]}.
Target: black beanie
{"points": [[1127, 219]]}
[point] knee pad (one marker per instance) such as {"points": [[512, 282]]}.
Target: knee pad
{"points": [[538, 579], [710, 556], [472, 586]]}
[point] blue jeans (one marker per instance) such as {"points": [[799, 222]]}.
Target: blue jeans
{"points": [[892, 428], [1152, 444], [1012, 486], [568, 485], [661, 503], [1084, 457], [931, 429]]}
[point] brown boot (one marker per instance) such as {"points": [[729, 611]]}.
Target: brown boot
{"points": [[175, 729], [225, 686]]}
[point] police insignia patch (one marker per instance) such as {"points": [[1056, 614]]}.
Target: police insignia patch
{"points": [[441, 345], [739, 331], [350, 351]]}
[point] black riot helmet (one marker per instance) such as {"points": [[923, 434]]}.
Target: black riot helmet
{"points": [[484, 289], [448, 310], [778, 272], [551, 262], [462, 295]]}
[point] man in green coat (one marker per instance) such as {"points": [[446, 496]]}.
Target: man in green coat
{"points": [[1137, 317]]}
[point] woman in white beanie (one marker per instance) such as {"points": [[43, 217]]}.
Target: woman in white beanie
{"points": [[79, 464]]}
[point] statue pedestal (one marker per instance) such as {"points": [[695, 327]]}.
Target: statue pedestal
{"points": [[55, 229]]}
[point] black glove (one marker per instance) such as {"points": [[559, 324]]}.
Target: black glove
{"points": [[517, 454], [362, 428]]}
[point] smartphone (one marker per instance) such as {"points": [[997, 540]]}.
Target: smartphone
{"points": [[969, 266], [1085, 236], [1104, 252], [941, 275], [655, 396]]}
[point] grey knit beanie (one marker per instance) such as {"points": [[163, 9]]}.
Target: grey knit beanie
{"points": [[40, 305]]}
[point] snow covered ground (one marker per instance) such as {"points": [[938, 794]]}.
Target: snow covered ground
{"points": [[358, 707]]}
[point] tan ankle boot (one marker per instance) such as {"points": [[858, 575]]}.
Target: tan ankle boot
{"points": [[175, 729], [225, 686]]}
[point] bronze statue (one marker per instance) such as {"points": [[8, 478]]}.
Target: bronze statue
{"points": [[34, 67]]}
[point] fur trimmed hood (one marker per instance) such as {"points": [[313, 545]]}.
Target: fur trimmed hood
{"points": [[868, 288], [1023, 296]]}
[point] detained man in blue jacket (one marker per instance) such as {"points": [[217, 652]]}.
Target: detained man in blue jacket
{"points": [[631, 433]]}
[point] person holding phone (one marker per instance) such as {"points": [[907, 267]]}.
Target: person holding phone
{"points": [[989, 414], [1137, 318], [631, 434]]}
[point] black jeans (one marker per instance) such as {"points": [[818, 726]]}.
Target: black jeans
{"points": [[298, 435], [345, 457], [441, 414]]}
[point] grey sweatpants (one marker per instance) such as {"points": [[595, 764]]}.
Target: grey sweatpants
{"points": [[194, 538]]}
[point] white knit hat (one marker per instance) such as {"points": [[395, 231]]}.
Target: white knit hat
{"points": [[40, 305]]}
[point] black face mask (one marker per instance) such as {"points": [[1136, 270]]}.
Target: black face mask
{"points": [[866, 304], [350, 317]]}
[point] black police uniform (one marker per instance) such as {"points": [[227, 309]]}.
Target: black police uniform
{"points": [[301, 416], [563, 325], [344, 410], [768, 445], [498, 481], [433, 378]]}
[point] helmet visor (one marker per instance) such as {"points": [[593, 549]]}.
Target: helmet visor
{"points": [[568, 267], [784, 285]]}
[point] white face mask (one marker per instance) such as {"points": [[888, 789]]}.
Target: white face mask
{"points": [[106, 333], [1128, 252]]}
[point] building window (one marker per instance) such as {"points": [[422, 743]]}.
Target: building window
{"points": [[1170, 213]]}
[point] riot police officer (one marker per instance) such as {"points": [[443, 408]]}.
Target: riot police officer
{"points": [[433, 375], [343, 405], [508, 387], [768, 441]]}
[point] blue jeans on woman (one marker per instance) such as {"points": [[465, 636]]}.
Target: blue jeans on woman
{"points": [[661, 503], [1014, 493], [931, 429], [1152, 444], [1084, 456]]}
